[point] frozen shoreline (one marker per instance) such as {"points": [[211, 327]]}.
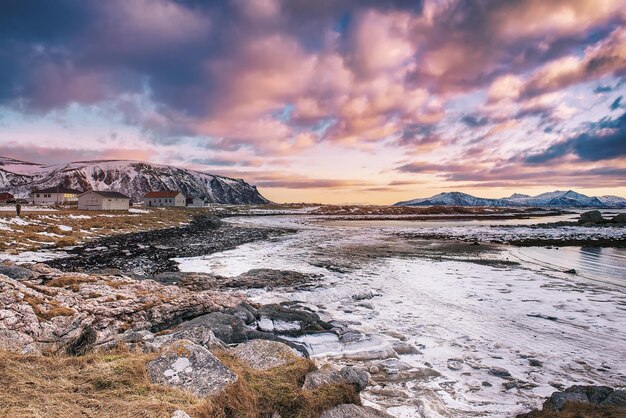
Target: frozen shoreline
{"points": [[466, 319]]}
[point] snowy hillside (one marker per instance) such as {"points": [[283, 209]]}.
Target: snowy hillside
{"points": [[454, 199], [133, 178], [563, 199]]}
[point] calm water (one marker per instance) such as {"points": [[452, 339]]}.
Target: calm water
{"points": [[605, 264]]}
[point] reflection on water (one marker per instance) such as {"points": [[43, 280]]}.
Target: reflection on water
{"points": [[606, 264]]}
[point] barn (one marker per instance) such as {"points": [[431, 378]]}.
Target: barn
{"points": [[95, 200]]}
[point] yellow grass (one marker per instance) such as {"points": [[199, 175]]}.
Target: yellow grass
{"points": [[115, 384]]}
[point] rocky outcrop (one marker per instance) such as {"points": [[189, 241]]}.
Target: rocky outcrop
{"points": [[190, 367], [290, 319], [604, 400], [354, 411], [52, 309], [591, 217], [265, 355], [348, 375]]}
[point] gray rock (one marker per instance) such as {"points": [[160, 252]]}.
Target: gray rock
{"points": [[265, 355], [499, 372], [16, 272], [233, 330], [200, 334], [617, 398], [353, 411], [180, 414], [620, 218], [293, 321], [559, 399], [404, 348], [350, 375], [591, 217], [82, 344], [191, 367], [535, 363]]}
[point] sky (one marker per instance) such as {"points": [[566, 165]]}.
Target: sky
{"points": [[332, 101]]}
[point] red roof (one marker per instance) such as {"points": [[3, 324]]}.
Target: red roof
{"points": [[161, 194], [6, 195]]}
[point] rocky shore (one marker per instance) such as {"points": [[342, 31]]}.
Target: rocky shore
{"points": [[147, 253], [194, 334], [203, 342]]}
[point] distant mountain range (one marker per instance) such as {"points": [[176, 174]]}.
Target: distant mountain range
{"points": [[133, 178], [559, 199]]}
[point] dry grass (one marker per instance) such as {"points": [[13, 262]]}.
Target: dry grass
{"points": [[115, 384], [71, 282], [43, 228], [102, 385], [578, 410], [260, 393], [53, 310]]}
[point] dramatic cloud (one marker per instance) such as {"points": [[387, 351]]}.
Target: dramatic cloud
{"points": [[259, 83], [603, 141]]}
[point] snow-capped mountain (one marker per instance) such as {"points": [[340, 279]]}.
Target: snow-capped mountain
{"points": [[563, 199], [453, 199], [133, 178]]}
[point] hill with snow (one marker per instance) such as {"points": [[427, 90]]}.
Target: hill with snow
{"points": [[560, 199], [133, 178]]}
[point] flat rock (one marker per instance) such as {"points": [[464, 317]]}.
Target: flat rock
{"points": [[353, 411], [265, 355], [359, 378], [190, 367], [16, 272], [290, 320]]}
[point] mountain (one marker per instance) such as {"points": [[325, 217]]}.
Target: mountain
{"points": [[562, 199], [453, 199], [133, 178]]}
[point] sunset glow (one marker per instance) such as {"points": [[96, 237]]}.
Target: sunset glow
{"points": [[326, 101]]}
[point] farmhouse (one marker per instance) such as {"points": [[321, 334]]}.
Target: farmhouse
{"points": [[95, 200], [167, 198], [55, 196], [6, 198]]}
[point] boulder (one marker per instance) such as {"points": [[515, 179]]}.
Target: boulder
{"points": [[265, 355], [591, 217], [585, 394], [83, 343], [180, 414], [348, 375], [283, 319], [16, 272], [354, 411], [617, 399], [190, 367], [201, 335], [620, 218], [232, 330]]}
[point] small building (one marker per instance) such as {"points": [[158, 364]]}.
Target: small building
{"points": [[7, 198], [196, 202], [95, 200], [55, 196], [164, 199]]}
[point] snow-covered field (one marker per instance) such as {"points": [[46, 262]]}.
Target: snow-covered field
{"points": [[499, 339]]}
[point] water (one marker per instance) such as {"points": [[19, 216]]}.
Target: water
{"points": [[599, 263]]}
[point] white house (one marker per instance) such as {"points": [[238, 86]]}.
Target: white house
{"points": [[167, 198], [55, 196], [197, 202], [95, 200]]}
